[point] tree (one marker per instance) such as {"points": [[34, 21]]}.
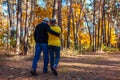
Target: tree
{"points": [[26, 29], [68, 25], [60, 20], [18, 27], [55, 7]]}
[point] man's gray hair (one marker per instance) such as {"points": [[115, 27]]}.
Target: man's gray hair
{"points": [[46, 20]]}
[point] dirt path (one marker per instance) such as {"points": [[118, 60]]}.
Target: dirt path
{"points": [[83, 67]]}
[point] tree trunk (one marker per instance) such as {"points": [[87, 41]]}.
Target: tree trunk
{"points": [[99, 26], [18, 27], [103, 23], [26, 29], [55, 7], [69, 17], [9, 15], [60, 21], [94, 26], [73, 24]]}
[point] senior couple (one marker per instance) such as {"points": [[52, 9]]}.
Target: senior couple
{"points": [[47, 39]]}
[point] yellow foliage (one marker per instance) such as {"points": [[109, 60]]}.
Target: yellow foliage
{"points": [[24, 15], [113, 39], [41, 13], [84, 39]]}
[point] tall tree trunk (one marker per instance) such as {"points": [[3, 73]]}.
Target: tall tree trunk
{"points": [[94, 25], [76, 30], [31, 18], [60, 21], [55, 7], [108, 44], [18, 27], [73, 24], [109, 25], [26, 29], [102, 27], [9, 15], [99, 26], [103, 24], [9, 23], [31, 13], [68, 25]]}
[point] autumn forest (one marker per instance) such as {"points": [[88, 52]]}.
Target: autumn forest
{"points": [[87, 25]]}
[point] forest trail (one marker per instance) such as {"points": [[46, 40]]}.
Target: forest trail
{"points": [[82, 67]]}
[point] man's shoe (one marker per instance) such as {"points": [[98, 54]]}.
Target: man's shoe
{"points": [[55, 71], [34, 73]]}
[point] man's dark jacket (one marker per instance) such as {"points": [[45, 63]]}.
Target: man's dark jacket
{"points": [[40, 33]]}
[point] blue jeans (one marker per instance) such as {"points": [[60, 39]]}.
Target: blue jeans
{"points": [[38, 49], [54, 55]]}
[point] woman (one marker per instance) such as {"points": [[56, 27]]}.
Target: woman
{"points": [[54, 46]]}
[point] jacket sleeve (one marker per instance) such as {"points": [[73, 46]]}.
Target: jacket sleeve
{"points": [[53, 32]]}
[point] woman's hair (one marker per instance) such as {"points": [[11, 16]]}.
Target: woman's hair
{"points": [[52, 21]]}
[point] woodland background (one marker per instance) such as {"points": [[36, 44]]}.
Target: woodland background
{"points": [[87, 25]]}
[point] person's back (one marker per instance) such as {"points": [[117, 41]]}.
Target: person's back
{"points": [[54, 40], [40, 34]]}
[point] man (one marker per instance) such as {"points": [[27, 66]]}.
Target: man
{"points": [[41, 40]]}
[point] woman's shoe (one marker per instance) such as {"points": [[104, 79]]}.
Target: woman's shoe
{"points": [[55, 71]]}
